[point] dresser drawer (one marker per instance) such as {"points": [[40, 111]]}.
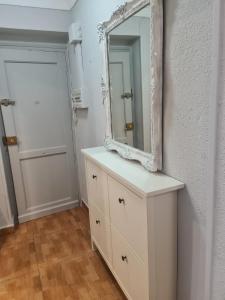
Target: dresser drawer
{"points": [[128, 214], [97, 188], [101, 233], [129, 269]]}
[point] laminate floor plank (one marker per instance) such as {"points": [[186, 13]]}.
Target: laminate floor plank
{"points": [[51, 259]]}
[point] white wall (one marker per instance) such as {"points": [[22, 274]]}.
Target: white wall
{"points": [[90, 128], [187, 91], [82, 122], [187, 94], [27, 18], [54, 4]]}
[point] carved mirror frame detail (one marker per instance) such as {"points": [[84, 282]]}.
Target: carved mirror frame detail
{"points": [[151, 161]]}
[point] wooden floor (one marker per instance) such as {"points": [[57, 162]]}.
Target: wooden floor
{"points": [[51, 258]]}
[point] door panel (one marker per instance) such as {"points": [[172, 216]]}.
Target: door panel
{"points": [[97, 188], [101, 232], [120, 259], [131, 271], [45, 180], [118, 113], [125, 218], [120, 80], [38, 98], [43, 162]]}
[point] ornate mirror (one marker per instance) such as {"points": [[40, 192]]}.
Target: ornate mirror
{"points": [[131, 43]]}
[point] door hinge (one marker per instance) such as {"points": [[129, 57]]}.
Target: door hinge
{"points": [[9, 140], [6, 102]]}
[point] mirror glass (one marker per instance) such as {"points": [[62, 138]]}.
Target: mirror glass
{"points": [[129, 76]]}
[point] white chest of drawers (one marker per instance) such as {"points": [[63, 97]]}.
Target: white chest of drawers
{"points": [[133, 220]]}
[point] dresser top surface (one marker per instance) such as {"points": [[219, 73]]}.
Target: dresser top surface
{"points": [[131, 173]]}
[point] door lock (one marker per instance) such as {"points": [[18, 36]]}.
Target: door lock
{"points": [[9, 140], [6, 102]]}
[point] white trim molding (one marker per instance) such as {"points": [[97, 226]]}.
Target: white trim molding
{"points": [[48, 211], [151, 161], [49, 4]]}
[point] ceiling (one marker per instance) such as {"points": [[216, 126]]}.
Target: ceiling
{"points": [[51, 4]]}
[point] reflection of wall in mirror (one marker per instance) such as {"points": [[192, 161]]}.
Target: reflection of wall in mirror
{"points": [[139, 26]]}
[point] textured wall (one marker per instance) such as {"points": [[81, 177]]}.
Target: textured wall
{"points": [[188, 49], [218, 282], [187, 90]]}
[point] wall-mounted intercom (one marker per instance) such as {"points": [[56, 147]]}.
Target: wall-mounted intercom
{"points": [[77, 97], [76, 61]]}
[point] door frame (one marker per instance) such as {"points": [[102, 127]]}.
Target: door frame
{"points": [[127, 50], [45, 47], [10, 222]]}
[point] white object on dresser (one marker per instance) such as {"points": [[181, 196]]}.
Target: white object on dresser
{"points": [[133, 217]]}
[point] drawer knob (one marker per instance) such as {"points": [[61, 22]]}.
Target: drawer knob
{"points": [[97, 222], [121, 200], [94, 176], [124, 258]]}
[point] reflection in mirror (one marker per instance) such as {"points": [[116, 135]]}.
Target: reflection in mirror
{"points": [[129, 70]]}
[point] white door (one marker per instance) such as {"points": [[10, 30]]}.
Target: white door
{"points": [[120, 81], [42, 162]]}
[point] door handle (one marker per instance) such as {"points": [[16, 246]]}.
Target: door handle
{"points": [[128, 95], [6, 102], [121, 200], [124, 258]]}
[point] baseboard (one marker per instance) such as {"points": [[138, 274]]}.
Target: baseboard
{"points": [[85, 203], [48, 211], [6, 229], [12, 222]]}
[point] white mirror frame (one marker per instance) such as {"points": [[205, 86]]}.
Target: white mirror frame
{"points": [[151, 161]]}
